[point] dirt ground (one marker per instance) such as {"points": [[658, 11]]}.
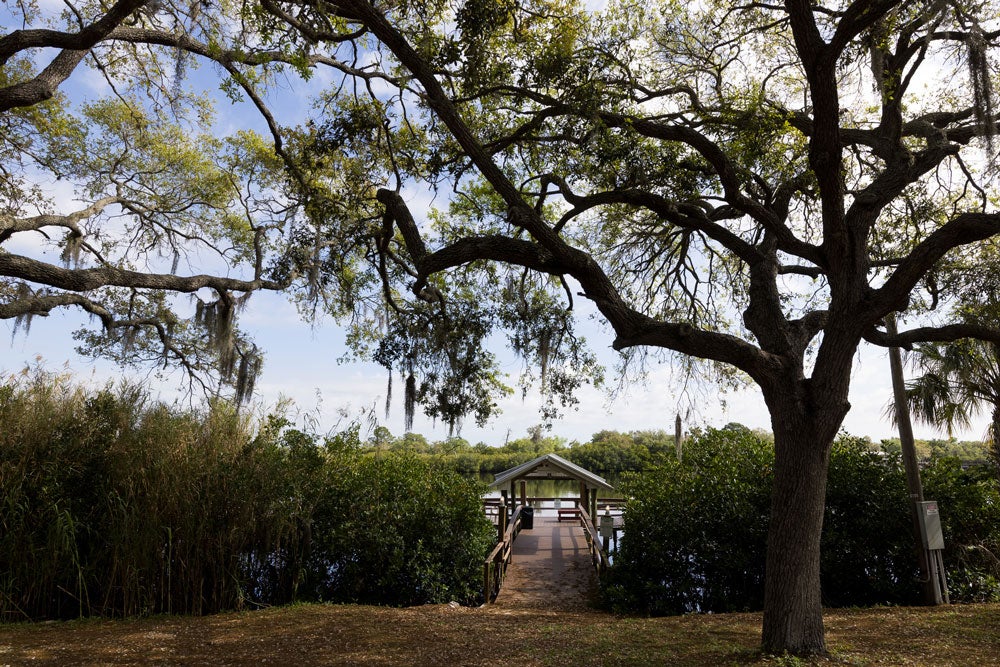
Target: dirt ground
{"points": [[303, 635], [445, 635]]}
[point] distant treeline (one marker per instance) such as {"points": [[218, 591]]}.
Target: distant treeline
{"points": [[610, 452]]}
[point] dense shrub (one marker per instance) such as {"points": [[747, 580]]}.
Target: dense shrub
{"points": [[410, 534], [868, 549], [114, 505], [696, 531]]}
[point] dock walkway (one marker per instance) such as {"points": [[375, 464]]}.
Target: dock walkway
{"points": [[551, 568]]}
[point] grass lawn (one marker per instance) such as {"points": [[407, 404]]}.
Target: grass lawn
{"points": [[442, 636]]}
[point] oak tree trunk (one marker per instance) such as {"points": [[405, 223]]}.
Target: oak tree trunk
{"points": [[793, 610]]}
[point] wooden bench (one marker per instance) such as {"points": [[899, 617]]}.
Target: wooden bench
{"points": [[568, 513]]}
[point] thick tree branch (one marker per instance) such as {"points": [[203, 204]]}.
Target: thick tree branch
{"points": [[84, 280], [728, 177], [942, 334], [687, 216], [964, 229], [75, 47], [20, 40], [11, 226], [632, 328], [894, 179], [858, 17], [42, 305]]}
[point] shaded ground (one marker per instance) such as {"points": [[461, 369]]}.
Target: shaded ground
{"points": [[550, 568], [441, 635]]}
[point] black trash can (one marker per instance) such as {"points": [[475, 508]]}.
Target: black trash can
{"points": [[527, 518]]}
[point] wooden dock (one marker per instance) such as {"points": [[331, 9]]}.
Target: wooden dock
{"points": [[551, 567]]}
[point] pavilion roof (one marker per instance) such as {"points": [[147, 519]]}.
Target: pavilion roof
{"points": [[550, 466]]}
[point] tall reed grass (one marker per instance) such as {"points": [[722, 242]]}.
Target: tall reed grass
{"points": [[113, 504]]}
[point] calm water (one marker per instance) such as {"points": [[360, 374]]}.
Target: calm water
{"points": [[550, 488]]}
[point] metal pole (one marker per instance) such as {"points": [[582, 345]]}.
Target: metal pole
{"points": [[939, 556]]}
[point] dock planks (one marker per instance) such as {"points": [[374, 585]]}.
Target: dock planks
{"points": [[551, 568]]}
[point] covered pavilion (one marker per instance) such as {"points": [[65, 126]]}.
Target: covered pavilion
{"points": [[550, 466]]}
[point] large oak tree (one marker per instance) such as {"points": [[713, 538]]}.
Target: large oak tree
{"points": [[754, 185]]}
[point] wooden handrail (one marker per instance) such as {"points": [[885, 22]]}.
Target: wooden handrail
{"points": [[597, 553], [495, 566]]}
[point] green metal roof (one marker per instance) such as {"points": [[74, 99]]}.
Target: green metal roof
{"points": [[551, 466]]}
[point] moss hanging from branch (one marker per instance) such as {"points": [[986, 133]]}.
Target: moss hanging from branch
{"points": [[409, 402], [71, 250], [218, 318], [982, 89], [251, 363], [388, 394]]}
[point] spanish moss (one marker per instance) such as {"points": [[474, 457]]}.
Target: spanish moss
{"points": [[71, 250], [544, 353], [22, 321], [409, 402], [218, 319], [246, 378], [982, 89], [388, 394]]}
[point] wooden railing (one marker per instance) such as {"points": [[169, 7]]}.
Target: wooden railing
{"points": [[495, 567], [597, 553]]}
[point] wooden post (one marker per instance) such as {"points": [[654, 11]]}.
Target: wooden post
{"points": [[502, 522], [524, 492], [932, 588], [582, 504], [677, 436]]}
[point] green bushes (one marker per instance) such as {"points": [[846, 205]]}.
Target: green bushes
{"points": [[696, 532], [113, 505], [868, 548]]}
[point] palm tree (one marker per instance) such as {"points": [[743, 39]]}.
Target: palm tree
{"points": [[959, 380]]}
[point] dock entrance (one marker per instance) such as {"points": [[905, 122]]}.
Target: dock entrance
{"points": [[550, 568], [545, 558]]}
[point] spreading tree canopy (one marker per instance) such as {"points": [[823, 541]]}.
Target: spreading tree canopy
{"points": [[756, 185]]}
